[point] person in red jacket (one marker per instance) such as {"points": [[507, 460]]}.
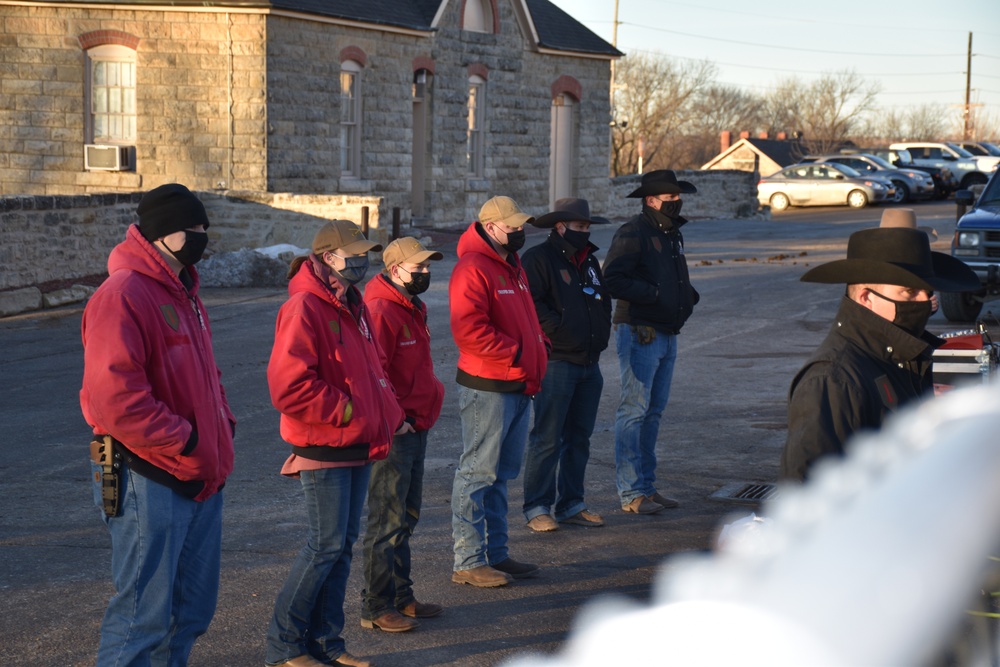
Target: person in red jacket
{"points": [[339, 413], [502, 354], [399, 322], [163, 433]]}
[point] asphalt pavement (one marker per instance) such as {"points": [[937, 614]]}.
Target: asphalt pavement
{"points": [[724, 425]]}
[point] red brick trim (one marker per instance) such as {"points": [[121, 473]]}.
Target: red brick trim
{"points": [[354, 53], [567, 84], [89, 40], [479, 69], [423, 62], [496, 15]]}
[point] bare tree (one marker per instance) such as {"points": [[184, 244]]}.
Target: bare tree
{"points": [[827, 111], [718, 108], [653, 110]]}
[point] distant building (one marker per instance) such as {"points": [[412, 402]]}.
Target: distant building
{"points": [[762, 154], [432, 105]]}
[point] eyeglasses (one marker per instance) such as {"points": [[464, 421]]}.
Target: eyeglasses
{"points": [[590, 291]]}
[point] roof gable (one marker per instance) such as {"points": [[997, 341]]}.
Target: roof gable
{"points": [[780, 151], [559, 31]]}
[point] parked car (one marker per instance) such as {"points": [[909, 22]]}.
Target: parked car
{"points": [[945, 182], [969, 169], [979, 147], [909, 183], [821, 185], [977, 243]]}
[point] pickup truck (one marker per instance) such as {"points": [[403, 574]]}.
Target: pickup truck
{"points": [[977, 243], [968, 168]]}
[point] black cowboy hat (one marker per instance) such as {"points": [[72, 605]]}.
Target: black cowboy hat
{"points": [[569, 209], [662, 182], [895, 256]]}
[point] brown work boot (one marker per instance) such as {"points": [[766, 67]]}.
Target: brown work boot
{"points": [[585, 518], [421, 610], [483, 576], [543, 523], [348, 660], [304, 660], [390, 621], [642, 505]]}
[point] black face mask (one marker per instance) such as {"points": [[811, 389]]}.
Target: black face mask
{"points": [[419, 282], [576, 238], [515, 241], [671, 209], [355, 269], [194, 247], [911, 316]]}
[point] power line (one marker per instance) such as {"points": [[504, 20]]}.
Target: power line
{"points": [[791, 48]]}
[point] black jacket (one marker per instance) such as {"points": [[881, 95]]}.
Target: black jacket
{"points": [[648, 275], [866, 368], [573, 304]]}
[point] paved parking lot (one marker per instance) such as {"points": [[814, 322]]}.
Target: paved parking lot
{"points": [[755, 325]]}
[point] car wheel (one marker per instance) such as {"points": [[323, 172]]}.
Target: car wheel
{"points": [[857, 199], [902, 193], [973, 179], [779, 201], [961, 306]]}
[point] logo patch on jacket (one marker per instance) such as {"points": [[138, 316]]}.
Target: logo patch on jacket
{"points": [[888, 394], [406, 331], [335, 327], [657, 245], [170, 315], [564, 274]]}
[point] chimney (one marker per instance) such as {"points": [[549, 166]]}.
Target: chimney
{"points": [[744, 135], [762, 135], [782, 136], [725, 140]]}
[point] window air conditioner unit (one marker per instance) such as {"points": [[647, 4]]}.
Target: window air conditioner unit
{"points": [[107, 157]]}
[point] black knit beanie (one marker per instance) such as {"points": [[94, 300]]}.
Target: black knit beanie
{"points": [[167, 209]]}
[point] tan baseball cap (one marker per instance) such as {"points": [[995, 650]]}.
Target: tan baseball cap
{"points": [[407, 249], [342, 235], [505, 211]]}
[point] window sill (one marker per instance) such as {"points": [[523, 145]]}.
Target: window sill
{"points": [[477, 184], [354, 184]]}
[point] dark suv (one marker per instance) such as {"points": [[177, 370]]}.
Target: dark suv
{"points": [[977, 243]]}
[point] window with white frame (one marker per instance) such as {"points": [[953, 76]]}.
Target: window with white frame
{"points": [[111, 94], [475, 142], [478, 16], [350, 118]]}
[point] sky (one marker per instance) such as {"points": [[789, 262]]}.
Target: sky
{"points": [[916, 50]]}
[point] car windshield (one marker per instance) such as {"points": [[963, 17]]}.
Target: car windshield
{"points": [[847, 171], [992, 149], [991, 195], [961, 151], [880, 162]]}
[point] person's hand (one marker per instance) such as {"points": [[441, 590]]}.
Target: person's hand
{"points": [[645, 334], [934, 303], [405, 427]]}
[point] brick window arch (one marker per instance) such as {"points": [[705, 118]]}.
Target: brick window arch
{"points": [[566, 84], [423, 62], [355, 53], [89, 40]]}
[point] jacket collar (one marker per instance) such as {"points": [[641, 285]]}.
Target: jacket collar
{"points": [[878, 336]]}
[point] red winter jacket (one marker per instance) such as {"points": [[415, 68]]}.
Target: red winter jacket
{"points": [[326, 377], [400, 326], [149, 373], [493, 318]]}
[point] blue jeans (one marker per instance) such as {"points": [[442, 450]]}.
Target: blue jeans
{"points": [[494, 429], [394, 495], [565, 413], [309, 612], [646, 372], [165, 560]]}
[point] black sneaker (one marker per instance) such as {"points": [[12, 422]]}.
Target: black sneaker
{"points": [[516, 569]]}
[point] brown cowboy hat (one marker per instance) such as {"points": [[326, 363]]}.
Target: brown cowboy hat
{"points": [[895, 256], [569, 209], [662, 182], [906, 218]]}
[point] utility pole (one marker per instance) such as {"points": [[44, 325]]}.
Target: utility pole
{"points": [[968, 89], [614, 43]]}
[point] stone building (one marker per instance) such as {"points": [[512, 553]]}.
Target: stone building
{"points": [[431, 106]]}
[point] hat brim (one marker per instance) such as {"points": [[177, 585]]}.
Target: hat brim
{"points": [[421, 257], [950, 274], [550, 219], [517, 220], [653, 189], [359, 247]]}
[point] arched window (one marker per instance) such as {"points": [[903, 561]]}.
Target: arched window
{"points": [[477, 16], [475, 143], [350, 118], [110, 90]]}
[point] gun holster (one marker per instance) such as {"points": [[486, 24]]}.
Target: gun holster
{"points": [[104, 453]]}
